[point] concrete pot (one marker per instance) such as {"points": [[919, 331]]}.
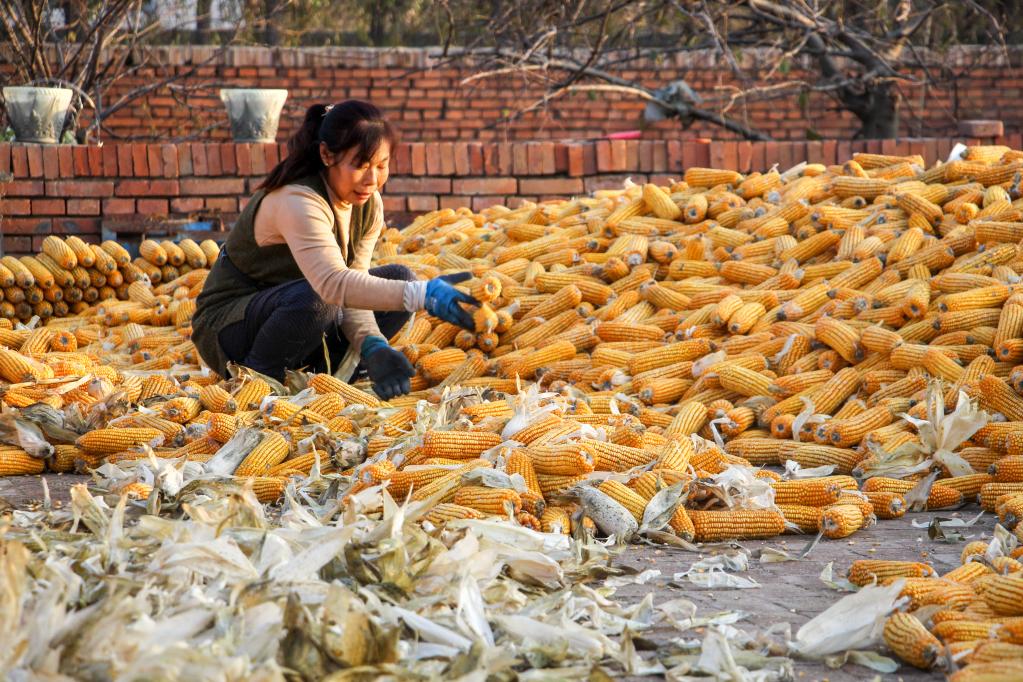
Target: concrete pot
{"points": [[254, 113], [37, 114]]}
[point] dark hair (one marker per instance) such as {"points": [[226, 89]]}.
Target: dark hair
{"points": [[347, 125]]}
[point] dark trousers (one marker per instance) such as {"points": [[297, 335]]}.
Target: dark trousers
{"points": [[285, 327]]}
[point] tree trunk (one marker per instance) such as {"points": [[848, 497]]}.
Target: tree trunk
{"points": [[271, 36], [203, 21], [878, 111]]}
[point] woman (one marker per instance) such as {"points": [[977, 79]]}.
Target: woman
{"points": [[293, 287]]}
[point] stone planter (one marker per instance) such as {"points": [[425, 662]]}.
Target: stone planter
{"points": [[254, 113], [37, 114]]}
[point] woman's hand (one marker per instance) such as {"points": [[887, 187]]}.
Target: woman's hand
{"points": [[388, 369], [442, 300]]}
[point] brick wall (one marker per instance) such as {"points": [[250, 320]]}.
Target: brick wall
{"points": [[428, 102], [64, 189]]}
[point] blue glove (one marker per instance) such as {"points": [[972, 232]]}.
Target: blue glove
{"points": [[388, 369], [442, 300]]}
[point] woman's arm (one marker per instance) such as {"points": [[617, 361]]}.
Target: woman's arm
{"points": [[357, 324], [301, 218]]}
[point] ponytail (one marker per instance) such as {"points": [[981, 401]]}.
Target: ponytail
{"points": [[348, 125]]}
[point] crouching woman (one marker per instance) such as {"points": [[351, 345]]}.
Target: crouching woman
{"points": [[294, 278]]}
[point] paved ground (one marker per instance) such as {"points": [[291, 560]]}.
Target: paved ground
{"points": [[790, 591]]}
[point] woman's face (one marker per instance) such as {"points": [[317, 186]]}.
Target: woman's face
{"points": [[352, 182]]}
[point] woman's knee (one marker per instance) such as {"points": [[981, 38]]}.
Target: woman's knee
{"points": [[395, 271]]}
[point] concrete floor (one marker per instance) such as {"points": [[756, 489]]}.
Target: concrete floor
{"points": [[790, 591]]}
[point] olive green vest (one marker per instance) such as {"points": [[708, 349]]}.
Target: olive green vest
{"points": [[228, 290]]}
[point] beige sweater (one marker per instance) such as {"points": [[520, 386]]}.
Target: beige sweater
{"points": [[299, 217]]}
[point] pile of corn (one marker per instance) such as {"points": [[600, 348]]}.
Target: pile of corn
{"points": [[971, 615], [68, 275], [779, 316]]}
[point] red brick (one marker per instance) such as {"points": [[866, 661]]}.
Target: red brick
{"points": [[169, 160], [51, 162], [420, 185], [814, 152], [605, 162], [589, 159], [80, 188], [475, 158], [421, 204], [27, 225], [620, 155], [207, 187], [5, 158], [199, 165], [843, 151], [19, 161], [534, 158], [80, 155], [888, 146], [659, 150], [213, 159], [186, 204], [228, 161], [35, 160], [243, 158], [83, 206], [76, 225], [520, 159], [223, 204], [401, 159], [139, 160], [154, 160], [460, 153], [11, 206], [611, 181], [24, 188], [146, 188], [730, 149], [481, 202], [744, 149], [455, 201], [432, 159], [125, 167], [505, 158], [272, 154], [632, 155], [490, 153], [184, 159], [551, 186], [259, 166], [110, 155], [418, 158], [65, 161], [646, 156], [485, 186], [95, 156], [394, 203], [772, 154], [148, 207], [48, 207], [118, 206], [447, 158], [18, 245], [695, 153], [574, 160], [829, 152]]}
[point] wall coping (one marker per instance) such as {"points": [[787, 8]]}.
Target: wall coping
{"points": [[429, 56]]}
